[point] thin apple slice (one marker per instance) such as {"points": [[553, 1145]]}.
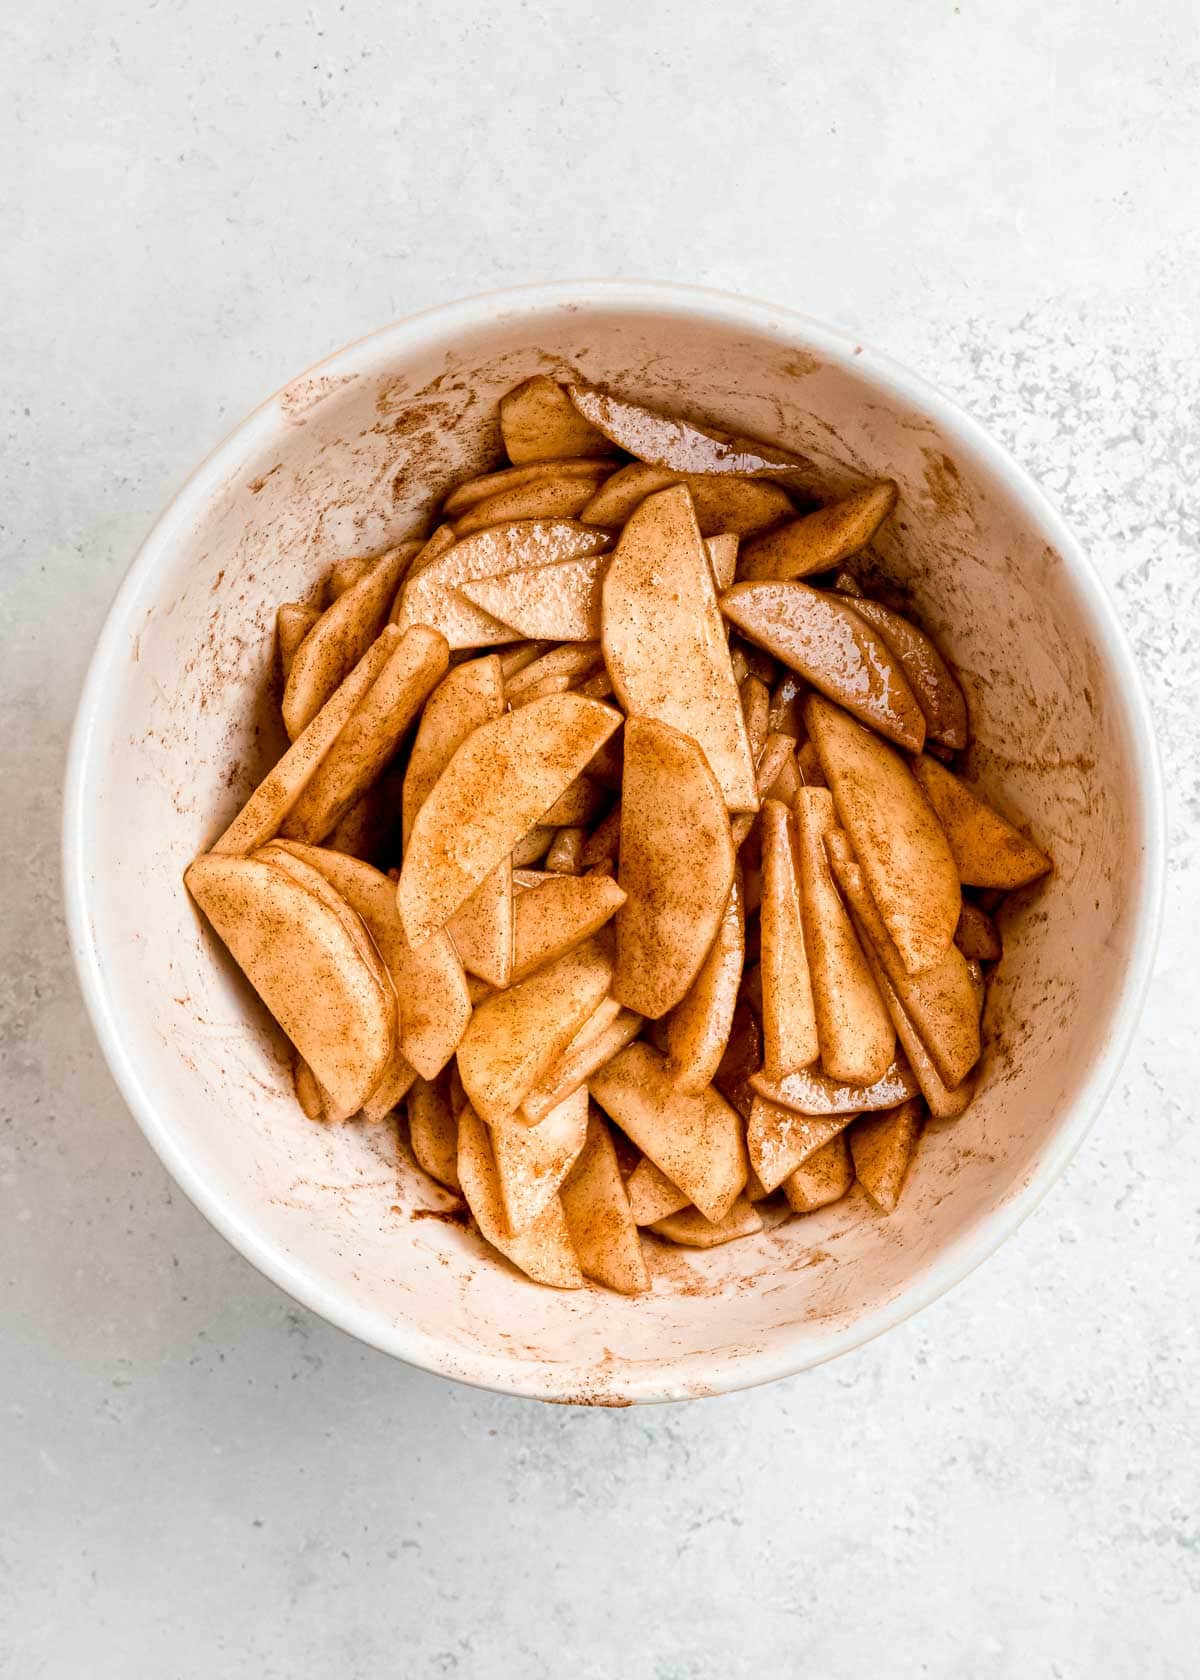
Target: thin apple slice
{"points": [[501, 779], [778, 1139], [696, 1140], [440, 541], [305, 965], [808, 1091], [308, 1093], [743, 1056], [564, 665], [538, 422], [776, 751], [853, 1027], [533, 846], [722, 553], [259, 818], [432, 595], [756, 706], [823, 1177], [735, 507], [977, 935], [475, 490], [532, 1161], [929, 676], [690, 1229], [558, 914], [515, 1037], [513, 660], [943, 1103], [821, 540], [699, 1026], [428, 979], [905, 858], [336, 643], [788, 1018], [987, 850], [600, 1038], [344, 573], [576, 805], [482, 927], [543, 1249], [398, 1080], [883, 1146], [370, 736], [293, 621], [433, 1131], [596, 1205], [550, 496], [565, 855], [941, 1001], [808, 763], [561, 601], [652, 1196], [787, 697], [468, 696], [823, 638], [676, 866], [787, 782], [665, 646]]}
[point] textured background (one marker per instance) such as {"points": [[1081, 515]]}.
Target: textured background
{"points": [[199, 1479]]}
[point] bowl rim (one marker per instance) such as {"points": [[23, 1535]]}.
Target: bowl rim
{"points": [[86, 758]]}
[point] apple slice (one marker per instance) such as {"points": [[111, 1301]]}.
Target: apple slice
{"points": [[779, 1139], [977, 935], [699, 1026], [428, 979], [475, 490], [756, 706], [596, 1205], [578, 804], [433, 1131], [787, 696], [823, 1177], [820, 540], [469, 695], [676, 866], [532, 1161], [432, 595], [293, 621], [930, 678], [776, 751], [304, 963], [543, 1249], [550, 496], [532, 847], [987, 850], [809, 1091], [695, 1140], [398, 1080], [905, 859], [344, 573], [853, 1027], [502, 778], [735, 507], [308, 1092], [440, 541], [515, 1037], [788, 1018], [943, 1103], [883, 1146], [652, 1196], [690, 1228], [482, 927], [561, 601], [538, 422], [565, 854], [823, 638], [370, 736], [561, 665], [665, 646], [598, 1040], [722, 553], [336, 643], [556, 915]]}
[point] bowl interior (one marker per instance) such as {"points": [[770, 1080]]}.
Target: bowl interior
{"points": [[179, 722]]}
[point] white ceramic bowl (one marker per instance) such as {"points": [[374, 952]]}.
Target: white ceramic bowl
{"points": [[175, 725]]}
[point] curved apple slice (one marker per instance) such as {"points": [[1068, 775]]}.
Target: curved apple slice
{"points": [[929, 676], [736, 507], [549, 496], [596, 1204], [433, 1131], [532, 1161], [539, 422], [883, 1146], [556, 915], [304, 964], [700, 1024], [809, 1091], [543, 1249], [469, 494], [467, 696], [823, 1177], [560, 602], [293, 621], [340, 637], [652, 1196], [821, 540], [789, 1022], [690, 1229], [987, 850]]}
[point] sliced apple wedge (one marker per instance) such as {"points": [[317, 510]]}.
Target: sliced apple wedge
{"points": [[596, 1205], [756, 708], [543, 1249], [580, 803], [398, 1080], [557, 914], [532, 1161], [788, 1018], [440, 541], [883, 1146], [293, 621], [676, 866], [665, 646], [308, 1092], [371, 735], [475, 490], [808, 1091], [905, 858], [699, 1026], [824, 639], [779, 1139], [943, 1103], [561, 601], [823, 1177], [433, 595], [482, 927], [550, 496], [735, 507], [303, 962], [532, 847], [563, 665], [977, 935], [787, 697], [853, 1026], [722, 553], [652, 1196], [820, 540], [495, 787], [343, 633], [987, 850], [433, 1131], [565, 853], [515, 1037], [538, 422], [929, 676], [695, 1140], [600, 1038], [468, 696], [344, 573], [690, 1229]]}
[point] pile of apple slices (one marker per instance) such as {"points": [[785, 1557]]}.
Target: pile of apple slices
{"points": [[625, 859]]}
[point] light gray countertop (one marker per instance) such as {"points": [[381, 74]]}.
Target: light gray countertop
{"points": [[198, 1478]]}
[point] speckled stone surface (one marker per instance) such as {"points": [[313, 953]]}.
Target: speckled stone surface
{"points": [[197, 1478]]}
